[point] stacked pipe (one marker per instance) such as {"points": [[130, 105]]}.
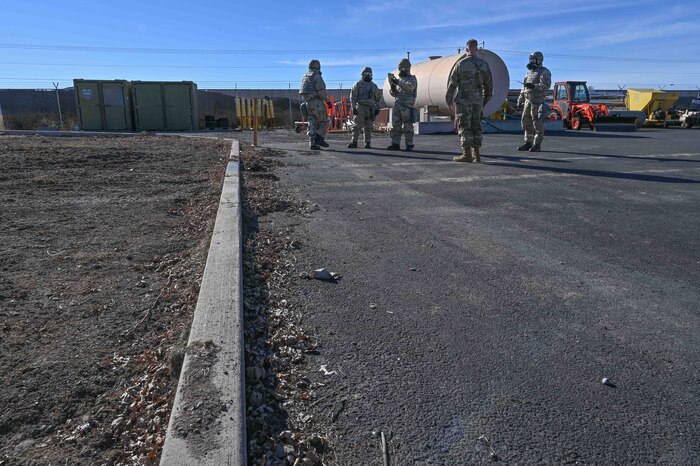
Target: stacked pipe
{"points": [[244, 112]]}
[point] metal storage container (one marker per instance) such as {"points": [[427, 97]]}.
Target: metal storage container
{"points": [[165, 106], [104, 105]]}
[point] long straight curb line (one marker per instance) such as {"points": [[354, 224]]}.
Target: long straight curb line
{"points": [[217, 326]]}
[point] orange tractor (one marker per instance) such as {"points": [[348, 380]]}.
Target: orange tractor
{"points": [[572, 104]]}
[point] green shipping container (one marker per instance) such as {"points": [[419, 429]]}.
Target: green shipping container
{"points": [[165, 106], [104, 105]]}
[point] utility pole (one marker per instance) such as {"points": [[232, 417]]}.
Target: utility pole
{"points": [[289, 95], [408, 55], [58, 101]]}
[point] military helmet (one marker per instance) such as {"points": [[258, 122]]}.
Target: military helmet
{"points": [[366, 70], [405, 63], [537, 57], [314, 65]]}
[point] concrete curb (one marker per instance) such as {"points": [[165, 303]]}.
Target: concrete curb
{"points": [[212, 382]]}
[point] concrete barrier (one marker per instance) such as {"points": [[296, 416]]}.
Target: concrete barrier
{"points": [[207, 424]]}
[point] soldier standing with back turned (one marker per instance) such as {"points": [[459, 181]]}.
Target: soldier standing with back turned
{"points": [[531, 100], [404, 90], [471, 77], [364, 100], [313, 94]]}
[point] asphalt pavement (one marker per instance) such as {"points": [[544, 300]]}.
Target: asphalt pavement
{"points": [[481, 305]]}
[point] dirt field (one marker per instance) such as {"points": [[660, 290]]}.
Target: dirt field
{"points": [[102, 248]]}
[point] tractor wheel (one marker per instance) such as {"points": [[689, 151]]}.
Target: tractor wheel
{"points": [[577, 123], [297, 128]]}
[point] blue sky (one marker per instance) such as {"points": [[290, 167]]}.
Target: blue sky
{"points": [[269, 44]]}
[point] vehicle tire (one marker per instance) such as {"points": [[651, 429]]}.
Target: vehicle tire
{"points": [[577, 123], [297, 128]]}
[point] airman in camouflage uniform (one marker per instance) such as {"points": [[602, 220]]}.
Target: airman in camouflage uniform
{"points": [[364, 100], [471, 78], [531, 99], [313, 94], [404, 90]]}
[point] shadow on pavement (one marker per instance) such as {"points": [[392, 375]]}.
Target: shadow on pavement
{"points": [[601, 173], [594, 134], [415, 154], [516, 158], [634, 157]]}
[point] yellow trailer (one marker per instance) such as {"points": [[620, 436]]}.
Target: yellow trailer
{"points": [[654, 103]]}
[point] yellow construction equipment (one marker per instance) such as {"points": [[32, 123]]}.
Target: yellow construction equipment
{"points": [[654, 103]]}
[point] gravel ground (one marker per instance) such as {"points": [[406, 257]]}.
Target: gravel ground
{"points": [[279, 394], [102, 249]]}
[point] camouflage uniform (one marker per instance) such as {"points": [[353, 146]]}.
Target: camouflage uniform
{"points": [[313, 94], [364, 100], [472, 79], [404, 92], [534, 111]]}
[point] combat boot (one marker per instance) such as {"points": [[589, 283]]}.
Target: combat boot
{"points": [[367, 145], [465, 157], [320, 141], [409, 148], [526, 146], [352, 145], [394, 147], [535, 148], [312, 143], [476, 156]]}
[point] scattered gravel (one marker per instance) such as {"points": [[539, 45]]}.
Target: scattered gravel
{"points": [[280, 429]]}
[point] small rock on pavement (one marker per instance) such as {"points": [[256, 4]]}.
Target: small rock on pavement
{"points": [[606, 381], [323, 274]]}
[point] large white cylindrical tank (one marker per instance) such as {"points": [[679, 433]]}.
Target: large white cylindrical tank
{"points": [[432, 76]]}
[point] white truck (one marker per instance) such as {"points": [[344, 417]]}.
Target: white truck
{"points": [[691, 117]]}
